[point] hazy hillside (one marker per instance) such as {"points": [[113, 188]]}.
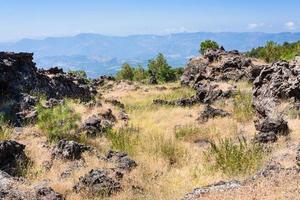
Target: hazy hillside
{"points": [[99, 54]]}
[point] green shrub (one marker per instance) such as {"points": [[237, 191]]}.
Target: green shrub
{"points": [[124, 139], [78, 73], [58, 123], [126, 73], [208, 44], [5, 129], [161, 70], [235, 158], [242, 106], [272, 51]]}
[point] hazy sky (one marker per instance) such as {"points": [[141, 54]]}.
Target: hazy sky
{"points": [[40, 18]]}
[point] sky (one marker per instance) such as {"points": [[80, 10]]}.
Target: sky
{"points": [[44, 18]]}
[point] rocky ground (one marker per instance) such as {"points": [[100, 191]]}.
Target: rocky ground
{"points": [[139, 141]]}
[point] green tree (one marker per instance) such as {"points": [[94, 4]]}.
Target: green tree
{"points": [[126, 72], [140, 74], [160, 68], [208, 44], [272, 52]]}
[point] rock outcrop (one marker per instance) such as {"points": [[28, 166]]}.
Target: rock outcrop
{"points": [[99, 124], [20, 77], [69, 150], [99, 182], [210, 112], [123, 161], [206, 92], [221, 65], [46, 193], [278, 81], [12, 157]]}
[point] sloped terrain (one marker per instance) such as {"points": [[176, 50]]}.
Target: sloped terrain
{"points": [[196, 140]]}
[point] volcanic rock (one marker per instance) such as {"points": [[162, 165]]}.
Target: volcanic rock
{"points": [[220, 65], [20, 77], [123, 161], [12, 157], [68, 150], [210, 112], [98, 181], [46, 193]]}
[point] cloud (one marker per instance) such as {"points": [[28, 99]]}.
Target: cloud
{"points": [[252, 26], [290, 25], [255, 25]]}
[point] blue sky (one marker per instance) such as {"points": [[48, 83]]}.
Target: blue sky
{"points": [[42, 18]]}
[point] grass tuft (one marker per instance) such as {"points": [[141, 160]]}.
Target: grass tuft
{"points": [[5, 129], [235, 158], [243, 109], [193, 132], [58, 123], [125, 139]]}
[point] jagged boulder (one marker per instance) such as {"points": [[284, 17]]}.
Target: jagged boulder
{"points": [[20, 77], [281, 80], [99, 124], [210, 112], [266, 137], [123, 161], [10, 191], [123, 116], [220, 186], [46, 193], [100, 81], [298, 156], [98, 182], [52, 102], [12, 157], [69, 150], [275, 124], [220, 65], [206, 92]]}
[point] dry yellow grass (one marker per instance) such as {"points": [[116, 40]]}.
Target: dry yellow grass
{"points": [[168, 167]]}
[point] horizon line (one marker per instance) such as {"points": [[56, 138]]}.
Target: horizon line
{"points": [[40, 38]]}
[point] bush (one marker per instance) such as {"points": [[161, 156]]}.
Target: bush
{"points": [[242, 106], [5, 129], [272, 51], [208, 44], [58, 123], [126, 73], [235, 158], [125, 139], [160, 69], [140, 74], [78, 73]]}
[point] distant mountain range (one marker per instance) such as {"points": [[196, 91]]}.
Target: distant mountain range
{"points": [[99, 54]]}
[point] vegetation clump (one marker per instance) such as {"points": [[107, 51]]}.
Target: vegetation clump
{"points": [[157, 68], [235, 158], [272, 51], [208, 44], [59, 122], [124, 139], [5, 130], [242, 106]]}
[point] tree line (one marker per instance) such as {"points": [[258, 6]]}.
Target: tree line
{"points": [[158, 71], [273, 51]]}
